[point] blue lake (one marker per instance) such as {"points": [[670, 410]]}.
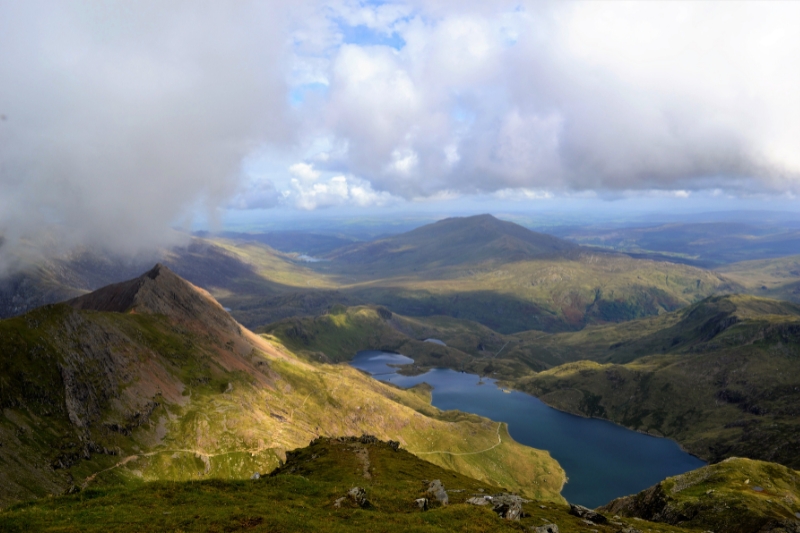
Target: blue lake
{"points": [[602, 460]]}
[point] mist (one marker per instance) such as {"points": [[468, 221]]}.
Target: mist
{"points": [[120, 120]]}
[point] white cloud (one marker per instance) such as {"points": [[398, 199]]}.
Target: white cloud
{"points": [[304, 172], [308, 192]]}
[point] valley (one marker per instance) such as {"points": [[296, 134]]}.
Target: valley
{"points": [[151, 381]]}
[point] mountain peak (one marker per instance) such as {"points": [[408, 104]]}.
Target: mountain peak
{"points": [[456, 241], [159, 291]]}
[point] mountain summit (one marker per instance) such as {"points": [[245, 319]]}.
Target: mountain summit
{"points": [[157, 292], [456, 241]]}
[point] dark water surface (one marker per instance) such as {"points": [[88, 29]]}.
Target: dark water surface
{"points": [[602, 460]]}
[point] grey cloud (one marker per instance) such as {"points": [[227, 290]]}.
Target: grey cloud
{"points": [[122, 118]]}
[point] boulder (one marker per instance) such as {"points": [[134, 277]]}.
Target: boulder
{"points": [[479, 500], [359, 496], [436, 488], [255, 476], [583, 512], [356, 495], [547, 528], [422, 503]]}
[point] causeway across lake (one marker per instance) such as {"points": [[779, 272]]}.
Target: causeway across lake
{"points": [[602, 460]]}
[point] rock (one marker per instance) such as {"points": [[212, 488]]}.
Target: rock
{"points": [[479, 500], [393, 444], [508, 506], [356, 495], [514, 512], [359, 496], [582, 512], [437, 489], [629, 530], [422, 503], [368, 439], [255, 476], [547, 528]]}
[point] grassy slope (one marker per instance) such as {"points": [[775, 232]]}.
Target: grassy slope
{"points": [[721, 497], [298, 497], [112, 397]]}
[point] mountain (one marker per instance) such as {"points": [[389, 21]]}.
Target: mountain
{"points": [[451, 242], [151, 379], [735, 496]]}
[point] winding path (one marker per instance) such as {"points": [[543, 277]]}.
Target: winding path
{"points": [[499, 441]]}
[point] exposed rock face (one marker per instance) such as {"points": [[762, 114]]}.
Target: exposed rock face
{"points": [[508, 506], [547, 528], [587, 514], [358, 496], [479, 500], [158, 292]]}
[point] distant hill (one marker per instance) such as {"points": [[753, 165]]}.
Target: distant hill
{"points": [[303, 242], [452, 242], [704, 244], [150, 379]]}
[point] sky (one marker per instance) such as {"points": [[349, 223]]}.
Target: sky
{"points": [[122, 120]]}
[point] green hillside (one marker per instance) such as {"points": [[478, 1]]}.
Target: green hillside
{"points": [[163, 385], [301, 495]]}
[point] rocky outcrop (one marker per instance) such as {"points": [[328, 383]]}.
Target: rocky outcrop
{"points": [[587, 514], [356, 496], [436, 488]]}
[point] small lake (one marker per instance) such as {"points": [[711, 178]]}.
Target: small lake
{"points": [[602, 460]]}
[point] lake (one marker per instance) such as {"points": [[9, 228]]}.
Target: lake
{"points": [[602, 460]]}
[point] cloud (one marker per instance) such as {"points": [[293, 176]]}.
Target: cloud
{"points": [[259, 194], [572, 96], [122, 119], [308, 192]]}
